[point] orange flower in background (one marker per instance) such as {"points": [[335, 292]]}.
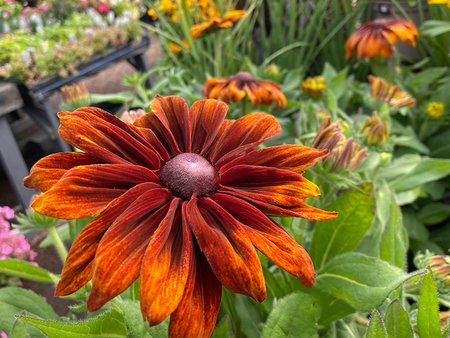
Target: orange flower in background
{"points": [[389, 93], [226, 21], [244, 85], [376, 38], [182, 198]]}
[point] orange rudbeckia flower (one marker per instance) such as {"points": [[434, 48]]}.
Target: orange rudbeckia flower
{"points": [[389, 93], [242, 85], [376, 38], [181, 198], [226, 21]]}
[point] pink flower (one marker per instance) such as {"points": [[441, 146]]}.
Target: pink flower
{"points": [[3, 334], [6, 212], [103, 8]]}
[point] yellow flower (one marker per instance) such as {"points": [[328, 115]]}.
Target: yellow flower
{"points": [[226, 21], [314, 86], [435, 110], [439, 2], [375, 130]]}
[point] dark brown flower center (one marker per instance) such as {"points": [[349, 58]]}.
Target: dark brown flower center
{"points": [[243, 76], [187, 174]]}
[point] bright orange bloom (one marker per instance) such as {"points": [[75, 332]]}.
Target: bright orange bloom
{"points": [[376, 38], [182, 198], [242, 85], [226, 21], [389, 93]]}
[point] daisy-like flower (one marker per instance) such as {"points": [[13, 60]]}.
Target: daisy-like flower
{"points": [[226, 21], [182, 198], [244, 85], [389, 93], [435, 109], [376, 38]]}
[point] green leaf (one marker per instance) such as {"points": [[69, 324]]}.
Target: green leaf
{"points": [[22, 269], [293, 316], [426, 77], [411, 171], [343, 234], [376, 327], [19, 330], [136, 327], [434, 213], [428, 323], [397, 321], [439, 145], [14, 300], [361, 281], [109, 324], [434, 28]]}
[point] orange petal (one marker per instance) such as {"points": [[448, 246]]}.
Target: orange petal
{"points": [[196, 314], [281, 187], [234, 15], [227, 248], [48, 170], [119, 255], [77, 269], [243, 135], [166, 266], [86, 190], [101, 134], [301, 209], [206, 117], [271, 239], [173, 112], [293, 157]]}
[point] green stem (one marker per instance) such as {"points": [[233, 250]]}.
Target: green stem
{"points": [[59, 245]]}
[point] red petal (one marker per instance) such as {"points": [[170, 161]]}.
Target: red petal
{"points": [[48, 170], [270, 238], [197, 312], [120, 252], [85, 190], [293, 157], [101, 134], [166, 266], [227, 248], [243, 135], [77, 269], [206, 118]]}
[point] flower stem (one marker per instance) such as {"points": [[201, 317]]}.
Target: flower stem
{"points": [[59, 245]]}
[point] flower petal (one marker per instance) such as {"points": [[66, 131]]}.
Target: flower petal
{"points": [[226, 246], [196, 314], [243, 135], [121, 250], [48, 170], [271, 185], [103, 135], [206, 117], [288, 156], [85, 190], [270, 238], [77, 269], [166, 267]]}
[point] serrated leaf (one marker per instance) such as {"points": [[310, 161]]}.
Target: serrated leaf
{"points": [[109, 324], [343, 234], [22, 269], [361, 281], [428, 323], [293, 316], [397, 321], [15, 300], [376, 327]]}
